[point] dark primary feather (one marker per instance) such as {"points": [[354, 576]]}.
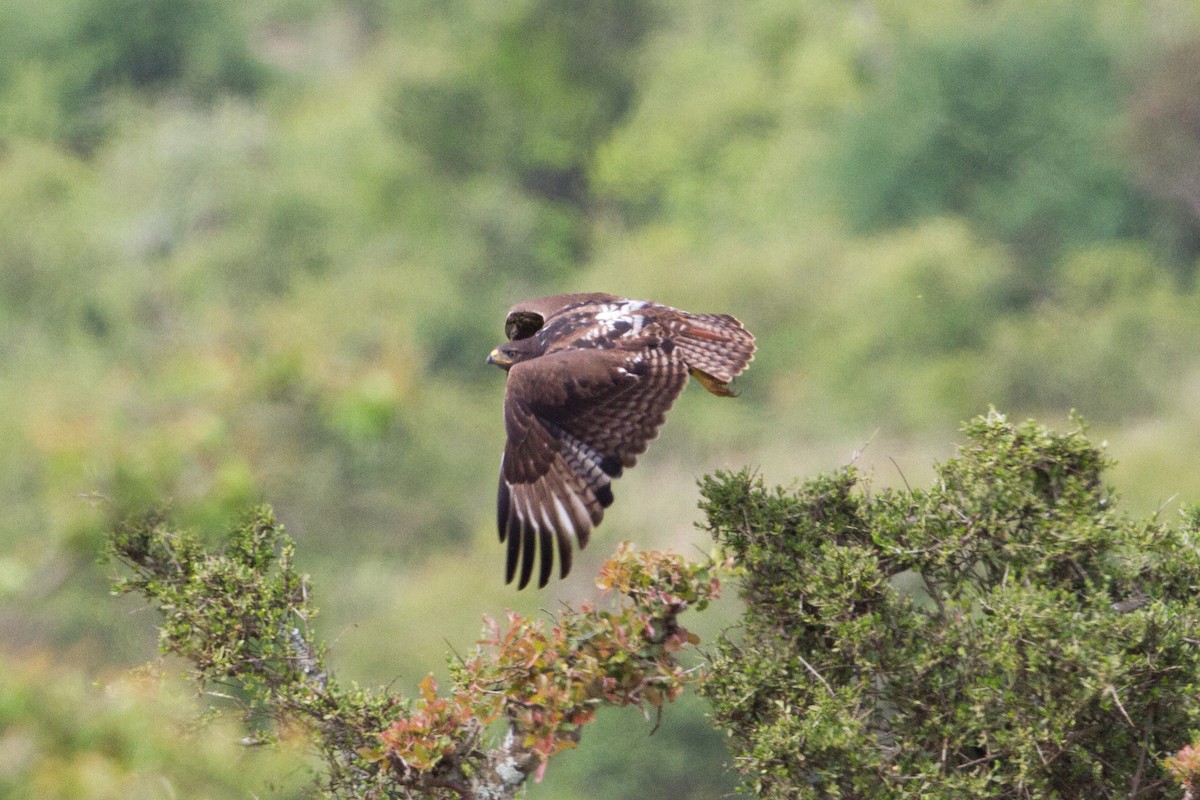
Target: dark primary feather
{"points": [[590, 380]]}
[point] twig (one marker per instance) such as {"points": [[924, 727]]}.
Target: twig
{"points": [[901, 473], [1135, 788], [981, 760], [1164, 504], [854, 456], [1112, 690], [817, 675], [933, 593]]}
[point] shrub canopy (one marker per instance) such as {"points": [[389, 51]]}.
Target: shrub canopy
{"points": [[1006, 633]]}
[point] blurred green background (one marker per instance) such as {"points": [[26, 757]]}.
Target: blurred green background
{"points": [[259, 250]]}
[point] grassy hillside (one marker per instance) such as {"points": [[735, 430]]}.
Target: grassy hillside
{"points": [[259, 251]]}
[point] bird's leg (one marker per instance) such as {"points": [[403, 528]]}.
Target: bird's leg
{"points": [[715, 385]]}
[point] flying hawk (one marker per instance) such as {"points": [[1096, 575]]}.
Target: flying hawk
{"points": [[590, 380]]}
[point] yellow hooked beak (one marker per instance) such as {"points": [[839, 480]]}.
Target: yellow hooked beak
{"points": [[499, 359]]}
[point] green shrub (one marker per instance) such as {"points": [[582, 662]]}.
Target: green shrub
{"points": [[518, 124], [1013, 124], [1006, 633], [63, 62], [196, 45], [241, 617], [63, 736]]}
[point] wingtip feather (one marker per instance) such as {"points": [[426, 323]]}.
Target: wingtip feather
{"points": [[503, 507], [528, 545], [514, 550]]}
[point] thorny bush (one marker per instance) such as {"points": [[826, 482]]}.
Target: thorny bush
{"points": [[1006, 633], [241, 617]]}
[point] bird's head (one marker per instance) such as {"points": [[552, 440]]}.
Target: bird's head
{"points": [[515, 352], [520, 327]]}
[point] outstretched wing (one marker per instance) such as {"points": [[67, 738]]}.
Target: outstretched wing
{"points": [[575, 418]]}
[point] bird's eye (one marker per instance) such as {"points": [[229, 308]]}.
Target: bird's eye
{"points": [[522, 324]]}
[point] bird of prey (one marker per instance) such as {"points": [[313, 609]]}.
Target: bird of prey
{"points": [[590, 380]]}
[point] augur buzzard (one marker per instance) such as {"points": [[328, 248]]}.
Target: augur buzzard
{"points": [[590, 380]]}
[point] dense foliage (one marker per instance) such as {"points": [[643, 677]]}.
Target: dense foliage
{"points": [[982, 125], [1006, 633], [241, 618]]}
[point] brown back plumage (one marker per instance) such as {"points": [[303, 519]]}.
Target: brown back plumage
{"points": [[590, 380]]}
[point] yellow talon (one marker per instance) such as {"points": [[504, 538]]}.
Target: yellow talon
{"points": [[718, 387]]}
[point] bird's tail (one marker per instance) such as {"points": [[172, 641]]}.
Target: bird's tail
{"points": [[716, 349]]}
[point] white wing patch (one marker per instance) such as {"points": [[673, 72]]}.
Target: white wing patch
{"points": [[612, 315], [564, 518], [581, 513]]}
